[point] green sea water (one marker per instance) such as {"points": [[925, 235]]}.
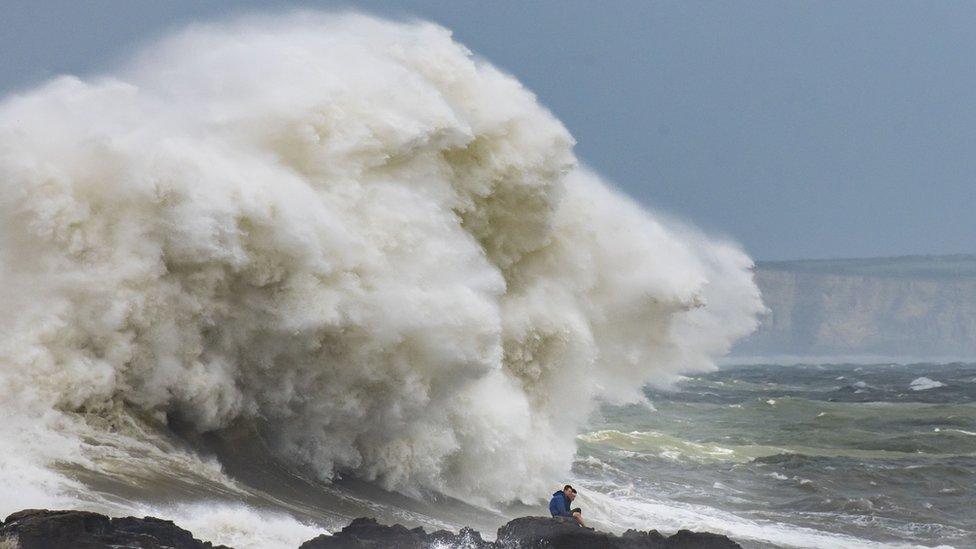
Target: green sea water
{"points": [[840, 455]]}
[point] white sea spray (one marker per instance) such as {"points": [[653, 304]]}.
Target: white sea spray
{"points": [[348, 228]]}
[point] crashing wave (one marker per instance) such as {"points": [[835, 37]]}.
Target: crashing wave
{"points": [[924, 384], [349, 229]]}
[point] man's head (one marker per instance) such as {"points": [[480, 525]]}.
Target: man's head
{"points": [[570, 492]]}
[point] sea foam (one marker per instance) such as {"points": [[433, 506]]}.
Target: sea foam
{"points": [[924, 384], [350, 229]]}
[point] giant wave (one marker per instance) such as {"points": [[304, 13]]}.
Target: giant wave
{"points": [[349, 233]]}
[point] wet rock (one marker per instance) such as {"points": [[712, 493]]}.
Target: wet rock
{"points": [[539, 532], [44, 529], [521, 533], [367, 533]]}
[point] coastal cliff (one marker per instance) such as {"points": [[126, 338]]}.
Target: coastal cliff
{"points": [[44, 529], [916, 307]]}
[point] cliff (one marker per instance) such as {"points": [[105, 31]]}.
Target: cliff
{"points": [[916, 307]]}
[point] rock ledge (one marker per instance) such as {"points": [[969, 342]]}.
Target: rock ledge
{"points": [[44, 529], [521, 533]]}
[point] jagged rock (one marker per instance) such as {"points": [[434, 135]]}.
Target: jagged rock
{"points": [[367, 533], [43, 529], [539, 532], [521, 533]]}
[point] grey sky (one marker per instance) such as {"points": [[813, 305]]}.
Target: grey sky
{"points": [[827, 129]]}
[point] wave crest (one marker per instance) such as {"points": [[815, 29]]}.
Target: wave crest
{"points": [[353, 230]]}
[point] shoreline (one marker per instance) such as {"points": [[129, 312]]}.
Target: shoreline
{"points": [[57, 529]]}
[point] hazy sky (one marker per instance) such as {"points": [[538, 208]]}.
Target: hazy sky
{"points": [[815, 129]]}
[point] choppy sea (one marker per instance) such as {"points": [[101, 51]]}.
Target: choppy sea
{"points": [[838, 455]]}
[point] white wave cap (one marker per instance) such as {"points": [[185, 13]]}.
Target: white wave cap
{"points": [[924, 384], [351, 230]]}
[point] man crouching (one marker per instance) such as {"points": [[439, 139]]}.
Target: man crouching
{"points": [[559, 505]]}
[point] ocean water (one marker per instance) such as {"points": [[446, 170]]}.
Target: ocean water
{"points": [[796, 456], [806, 456]]}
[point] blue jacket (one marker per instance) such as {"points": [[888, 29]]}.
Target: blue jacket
{"points": [[559, 506]]}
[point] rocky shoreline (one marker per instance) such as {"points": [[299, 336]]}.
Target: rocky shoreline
{"points": [[46, 529]]}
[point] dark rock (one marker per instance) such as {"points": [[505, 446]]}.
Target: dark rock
{"points": [[686, 539], [43, 529], [521, 533], [367, 533], [555, 533]]}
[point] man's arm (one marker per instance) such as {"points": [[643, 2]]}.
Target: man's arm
{"points": [[562, 506]]}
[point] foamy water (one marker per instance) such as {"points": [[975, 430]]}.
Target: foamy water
{"points": [[824, 455]]}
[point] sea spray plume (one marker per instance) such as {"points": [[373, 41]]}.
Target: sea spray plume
{"points": [[349, 229]]}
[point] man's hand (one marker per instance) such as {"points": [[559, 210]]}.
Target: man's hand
{"points": [[579, 518]]}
